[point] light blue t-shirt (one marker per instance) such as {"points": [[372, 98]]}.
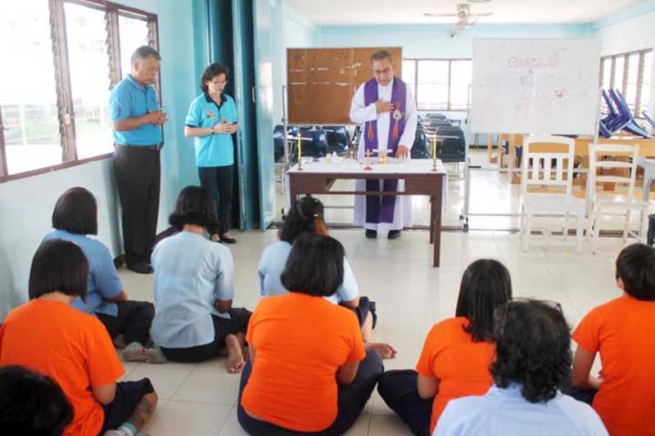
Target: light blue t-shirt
{"points": [[212, 150], [191, 272], [272, 264], [103, 278], [504, 412], [129, 99]]}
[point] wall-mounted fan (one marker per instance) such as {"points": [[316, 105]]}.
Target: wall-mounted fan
{"points": [[465, 18]]}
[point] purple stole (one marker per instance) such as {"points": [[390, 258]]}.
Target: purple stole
{"points": [[382, 211], [397, 116]]}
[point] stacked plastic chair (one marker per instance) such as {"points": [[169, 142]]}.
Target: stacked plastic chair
{"points": [[619, 117]]}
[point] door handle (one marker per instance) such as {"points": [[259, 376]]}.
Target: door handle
{"points": [[252, 94]]}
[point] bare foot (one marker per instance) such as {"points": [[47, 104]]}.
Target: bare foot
{"points": [[215, 238], [385, 350], [235, 360]]}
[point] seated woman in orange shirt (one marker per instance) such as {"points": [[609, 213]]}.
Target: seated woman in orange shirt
{"points": [[73, 348], [457, 352], [308, 370], [621, 331]]}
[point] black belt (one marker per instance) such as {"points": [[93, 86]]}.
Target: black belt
{"points": [[145, 147]]}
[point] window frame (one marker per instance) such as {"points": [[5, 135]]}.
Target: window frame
{"points": [[65, 107], [415, 82], [641, 74]]}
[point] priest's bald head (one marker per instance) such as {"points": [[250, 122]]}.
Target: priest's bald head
{"points": [[382, 66]]}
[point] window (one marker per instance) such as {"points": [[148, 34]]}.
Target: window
{"points": [[630, 73], [28, 98], [54, 102], [439, 84]]}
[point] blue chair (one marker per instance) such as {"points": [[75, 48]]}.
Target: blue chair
{"points": [[451, 150], [278, 142], [420, 146], [649, 119], [314, 142], [631, 126], [337, 138]]}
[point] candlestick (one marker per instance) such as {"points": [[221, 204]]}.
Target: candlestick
{"points": [[299, 152], [368, 161]]}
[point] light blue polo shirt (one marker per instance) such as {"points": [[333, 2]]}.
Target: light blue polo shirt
{"points": [[272, 264], [212, 150], [191, 272], [131, 100], [103, 278], [504, 412]]}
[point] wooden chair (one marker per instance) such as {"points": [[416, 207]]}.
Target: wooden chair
{"points": [[614, 164], [552, 170]]}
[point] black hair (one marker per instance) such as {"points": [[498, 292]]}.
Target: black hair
{"points": [[145, 52], [32, 404], [76, 211], [533, 349], [635, 266], [210, 72], [314, 266], [194, 206], [59, 265], [486, 284], [306, 216], [381, 55]]}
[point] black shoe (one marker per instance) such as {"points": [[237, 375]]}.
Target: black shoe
{"points": [[393, 234], [227, 240], [371, 234], [140, 268]]}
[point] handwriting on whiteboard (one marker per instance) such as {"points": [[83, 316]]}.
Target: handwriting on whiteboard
{"points": [[533, 62]]}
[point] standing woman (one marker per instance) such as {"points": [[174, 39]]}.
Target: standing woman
{"points": [[211, 121]]}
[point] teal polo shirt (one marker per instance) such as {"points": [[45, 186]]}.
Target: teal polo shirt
{"points": [[212, 150], [130, 99]]}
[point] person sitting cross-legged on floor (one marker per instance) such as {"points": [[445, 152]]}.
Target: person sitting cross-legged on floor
{"points": [[621, 332], [49, 336], [457, 352], [308, 371], [306, 216], [194, 288], [127, 321], [533, 364]]}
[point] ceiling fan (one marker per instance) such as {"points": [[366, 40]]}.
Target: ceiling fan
{"points": [[465, 18]]}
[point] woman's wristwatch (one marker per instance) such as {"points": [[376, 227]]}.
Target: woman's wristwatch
{"points": [[211, 129]]}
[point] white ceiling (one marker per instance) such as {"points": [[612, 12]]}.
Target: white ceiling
{"points": [[355, 12]]}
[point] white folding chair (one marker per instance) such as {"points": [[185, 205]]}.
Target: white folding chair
{"points": [[621, 201], [550, 170]]}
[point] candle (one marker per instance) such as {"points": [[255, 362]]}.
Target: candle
{"points": [[434, 145], [299, 147]]}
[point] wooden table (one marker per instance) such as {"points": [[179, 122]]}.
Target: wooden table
{"points": [[318, 178]]}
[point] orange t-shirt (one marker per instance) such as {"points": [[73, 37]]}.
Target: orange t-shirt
{"points": [[623, 332], [461, 365], [300, 342], [71, 347]]}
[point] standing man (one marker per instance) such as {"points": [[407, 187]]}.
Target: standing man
{"points": [[386, 107], [138, 138]]}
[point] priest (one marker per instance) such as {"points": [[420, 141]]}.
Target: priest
{"points": [[386, 107]]}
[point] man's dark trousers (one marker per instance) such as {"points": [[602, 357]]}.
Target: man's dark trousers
{"points": [[137, 171]]}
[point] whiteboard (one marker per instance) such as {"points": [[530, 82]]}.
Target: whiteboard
{"points": [[547, 86]]}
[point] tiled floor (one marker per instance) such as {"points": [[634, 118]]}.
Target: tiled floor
{"points": [[411, 296]]}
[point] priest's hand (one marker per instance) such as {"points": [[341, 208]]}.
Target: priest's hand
{"points": [[382, 106], [402, 152]]}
